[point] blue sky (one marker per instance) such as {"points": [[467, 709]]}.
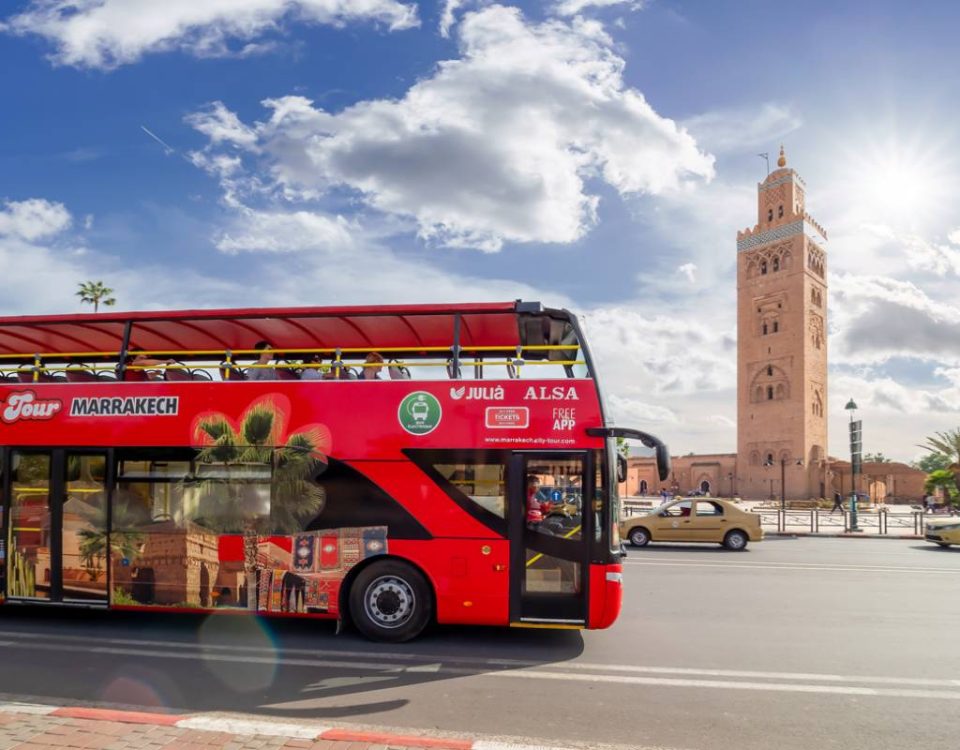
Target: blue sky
{"points": [[599, 154]]}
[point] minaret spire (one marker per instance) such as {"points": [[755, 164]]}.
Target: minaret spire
{"points": [[782, 161]]}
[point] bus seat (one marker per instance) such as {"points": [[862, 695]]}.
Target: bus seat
{"points": [[285, 373], [236, 373], [135, 376], [200, 375], [80, 374], [179, 375]]}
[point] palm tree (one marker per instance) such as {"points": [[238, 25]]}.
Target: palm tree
{"points": [[948, 444], [96, 294], [124, 540], [231, 492]]}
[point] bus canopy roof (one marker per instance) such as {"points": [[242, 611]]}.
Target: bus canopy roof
{"points": [[373, 327]]}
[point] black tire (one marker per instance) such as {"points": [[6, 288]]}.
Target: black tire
{"points": [[736, 540], [943, 544], [639, 536], [390, 601]]}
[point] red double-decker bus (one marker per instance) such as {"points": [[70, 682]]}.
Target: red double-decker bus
{"points": [[384, 465]]}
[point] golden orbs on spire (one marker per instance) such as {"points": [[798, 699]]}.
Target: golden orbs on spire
{"points": [[782, 161]]}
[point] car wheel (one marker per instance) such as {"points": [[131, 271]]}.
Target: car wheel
{"points": [[390, 601], [943, 544], [639, 537], [735, 541]]}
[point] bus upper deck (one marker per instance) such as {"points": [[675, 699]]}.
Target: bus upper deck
{"points": [[479, 341]]}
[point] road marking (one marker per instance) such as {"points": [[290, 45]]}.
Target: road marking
{"points": [[437, 663], [791, 566], [541, 674]]}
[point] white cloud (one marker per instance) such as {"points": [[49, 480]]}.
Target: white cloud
{"points": [[33, 219], [875, 318], [285, 232], [688, 271], [576, 7], [108, 33], [448, 16], [496, 146], [954, 237], [734, 129], [631, 411]]}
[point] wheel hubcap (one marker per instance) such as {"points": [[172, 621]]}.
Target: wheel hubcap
{"points": [[390, 601], [736, 541]]}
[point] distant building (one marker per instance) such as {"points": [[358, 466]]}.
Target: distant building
{"points": [[781, 371]]}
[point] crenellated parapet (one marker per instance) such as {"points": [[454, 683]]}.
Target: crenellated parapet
{"points": [[816, 225]]}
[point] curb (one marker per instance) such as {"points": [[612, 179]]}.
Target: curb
{"points": [[265, 727]]}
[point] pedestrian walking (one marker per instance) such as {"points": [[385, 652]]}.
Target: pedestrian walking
{"points": [[837, 503]]}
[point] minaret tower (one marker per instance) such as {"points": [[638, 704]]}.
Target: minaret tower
{"points": [[782, 344]]}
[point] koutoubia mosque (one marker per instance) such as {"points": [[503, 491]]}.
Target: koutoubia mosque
{"points": [[781, 371]]}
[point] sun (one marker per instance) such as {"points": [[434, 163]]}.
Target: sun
{"points": [[902, 186]]}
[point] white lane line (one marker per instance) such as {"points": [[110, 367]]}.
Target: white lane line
{"points": [[645, 559], [525, 673], [247, 727], [436, 663], [759, 566], [731, 685]]}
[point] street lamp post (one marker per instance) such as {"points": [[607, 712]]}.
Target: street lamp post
{"points": [[856, 445], [783, 479]]}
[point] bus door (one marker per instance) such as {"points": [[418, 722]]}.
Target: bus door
{"points": [[549, 537], [55, 513]]}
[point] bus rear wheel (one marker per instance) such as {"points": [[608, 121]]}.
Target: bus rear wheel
{"points": [[390, 601]]}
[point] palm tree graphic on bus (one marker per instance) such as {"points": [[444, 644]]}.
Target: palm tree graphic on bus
{"points": [[419, 413]]}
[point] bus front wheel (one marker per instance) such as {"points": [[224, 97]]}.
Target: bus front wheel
{"points": [[390, 601]]}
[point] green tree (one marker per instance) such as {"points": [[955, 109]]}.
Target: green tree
{"points": [[230, 493], [876, 458], [948, 444], [623, 448], [932, 462], [96, 293]]}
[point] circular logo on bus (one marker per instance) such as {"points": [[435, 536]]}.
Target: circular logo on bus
{"points": [[419, 413]]}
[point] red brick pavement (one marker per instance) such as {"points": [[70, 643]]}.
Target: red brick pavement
{"points": [[29, 732]]}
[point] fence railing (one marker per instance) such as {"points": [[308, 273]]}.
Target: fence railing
{"points": [[881, 521], [818, 521]]}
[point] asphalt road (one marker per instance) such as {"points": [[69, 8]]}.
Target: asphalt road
{"points": [[795, 643]]}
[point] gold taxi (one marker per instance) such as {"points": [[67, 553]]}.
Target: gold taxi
{"points": [[694, 519], [943, 531]]}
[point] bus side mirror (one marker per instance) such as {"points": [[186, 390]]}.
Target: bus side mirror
{"points": [[621, 469]]}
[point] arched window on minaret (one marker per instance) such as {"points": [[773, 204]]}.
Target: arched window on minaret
{"points": [[770, 371], [764, 329], [776, 326], [776, 264], [769, 393], [763, 268], [780, 212], [770, 215]]}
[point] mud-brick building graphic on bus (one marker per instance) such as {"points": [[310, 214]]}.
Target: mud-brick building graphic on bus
{"points": [[178, 565]]}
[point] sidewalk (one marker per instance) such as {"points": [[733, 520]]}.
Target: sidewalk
{"points": [[26, 726]]}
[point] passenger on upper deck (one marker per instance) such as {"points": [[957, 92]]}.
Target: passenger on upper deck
{"points": [[311, 369], [139, 360], [373, 366], [263, 372]]}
